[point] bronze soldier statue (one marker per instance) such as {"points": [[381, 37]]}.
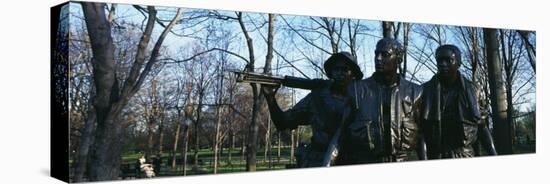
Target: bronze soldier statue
{"points": [[384, 127], [451, 116], [324, 108]]}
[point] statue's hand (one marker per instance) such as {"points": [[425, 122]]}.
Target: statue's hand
{"points": [[269, 90]]}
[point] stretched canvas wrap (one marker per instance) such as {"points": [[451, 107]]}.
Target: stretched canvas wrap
{"points": [[141, 92]]}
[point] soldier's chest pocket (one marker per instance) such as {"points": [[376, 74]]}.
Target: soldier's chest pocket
{"points": [[362, 133], [406, 108]]}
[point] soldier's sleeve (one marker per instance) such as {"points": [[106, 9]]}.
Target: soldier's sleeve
{"points": [[300, 114], [421, 150]]}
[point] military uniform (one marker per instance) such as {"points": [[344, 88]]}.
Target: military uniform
{"points": [[450, 118], [324, 112], [383, 128], [325, 108]]}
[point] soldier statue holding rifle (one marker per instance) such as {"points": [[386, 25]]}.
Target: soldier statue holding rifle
{"points": [[325, 108]]}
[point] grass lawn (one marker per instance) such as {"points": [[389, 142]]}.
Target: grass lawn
{"points": [[206, 159]]}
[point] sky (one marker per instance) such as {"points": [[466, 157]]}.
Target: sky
{"points": [[283, 44]]}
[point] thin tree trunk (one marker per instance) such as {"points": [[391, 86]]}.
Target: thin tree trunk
{"points": [[243, 148], [278, 147], [292, 145], [405, 46], [251, 148], [387, 29], [475, 54], [352, 39], [176, 139], [266, 139], [502, 138], [218, 121], [298, 132], [510, 111], [216, 139], [150, 138], [161, 138], [185, 149], [160, 146], [231, 148], [268, 145], [197, 142]]}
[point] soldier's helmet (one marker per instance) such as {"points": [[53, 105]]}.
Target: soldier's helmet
{"points": [[348, 59]]}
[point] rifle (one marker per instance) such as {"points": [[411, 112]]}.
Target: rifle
{"points": [[332, 149], [335, 142], [288, 81]]}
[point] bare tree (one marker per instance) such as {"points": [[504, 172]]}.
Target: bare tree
{"points": [[202, 74], [111, 96]]}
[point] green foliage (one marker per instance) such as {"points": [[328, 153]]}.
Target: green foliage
{"points": [[525, 133]]}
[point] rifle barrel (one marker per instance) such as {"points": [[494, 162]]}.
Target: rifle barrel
{"points": [[288, 81]]}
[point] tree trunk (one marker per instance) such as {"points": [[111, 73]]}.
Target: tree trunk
{"points": [[292, 145], [176, 139], [268, 142], [405, 46], [501, 127], [150, 137], [86, 141], [243, 148], [267, 139], [185, 148], [278, 146], [298, 131], [161, 138], [475, 53], [510, 111], [160, 146], [197, 142], [231, 148], [387, 29], [251, 147], [218, 119], [106, 150], [352, 38]]}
